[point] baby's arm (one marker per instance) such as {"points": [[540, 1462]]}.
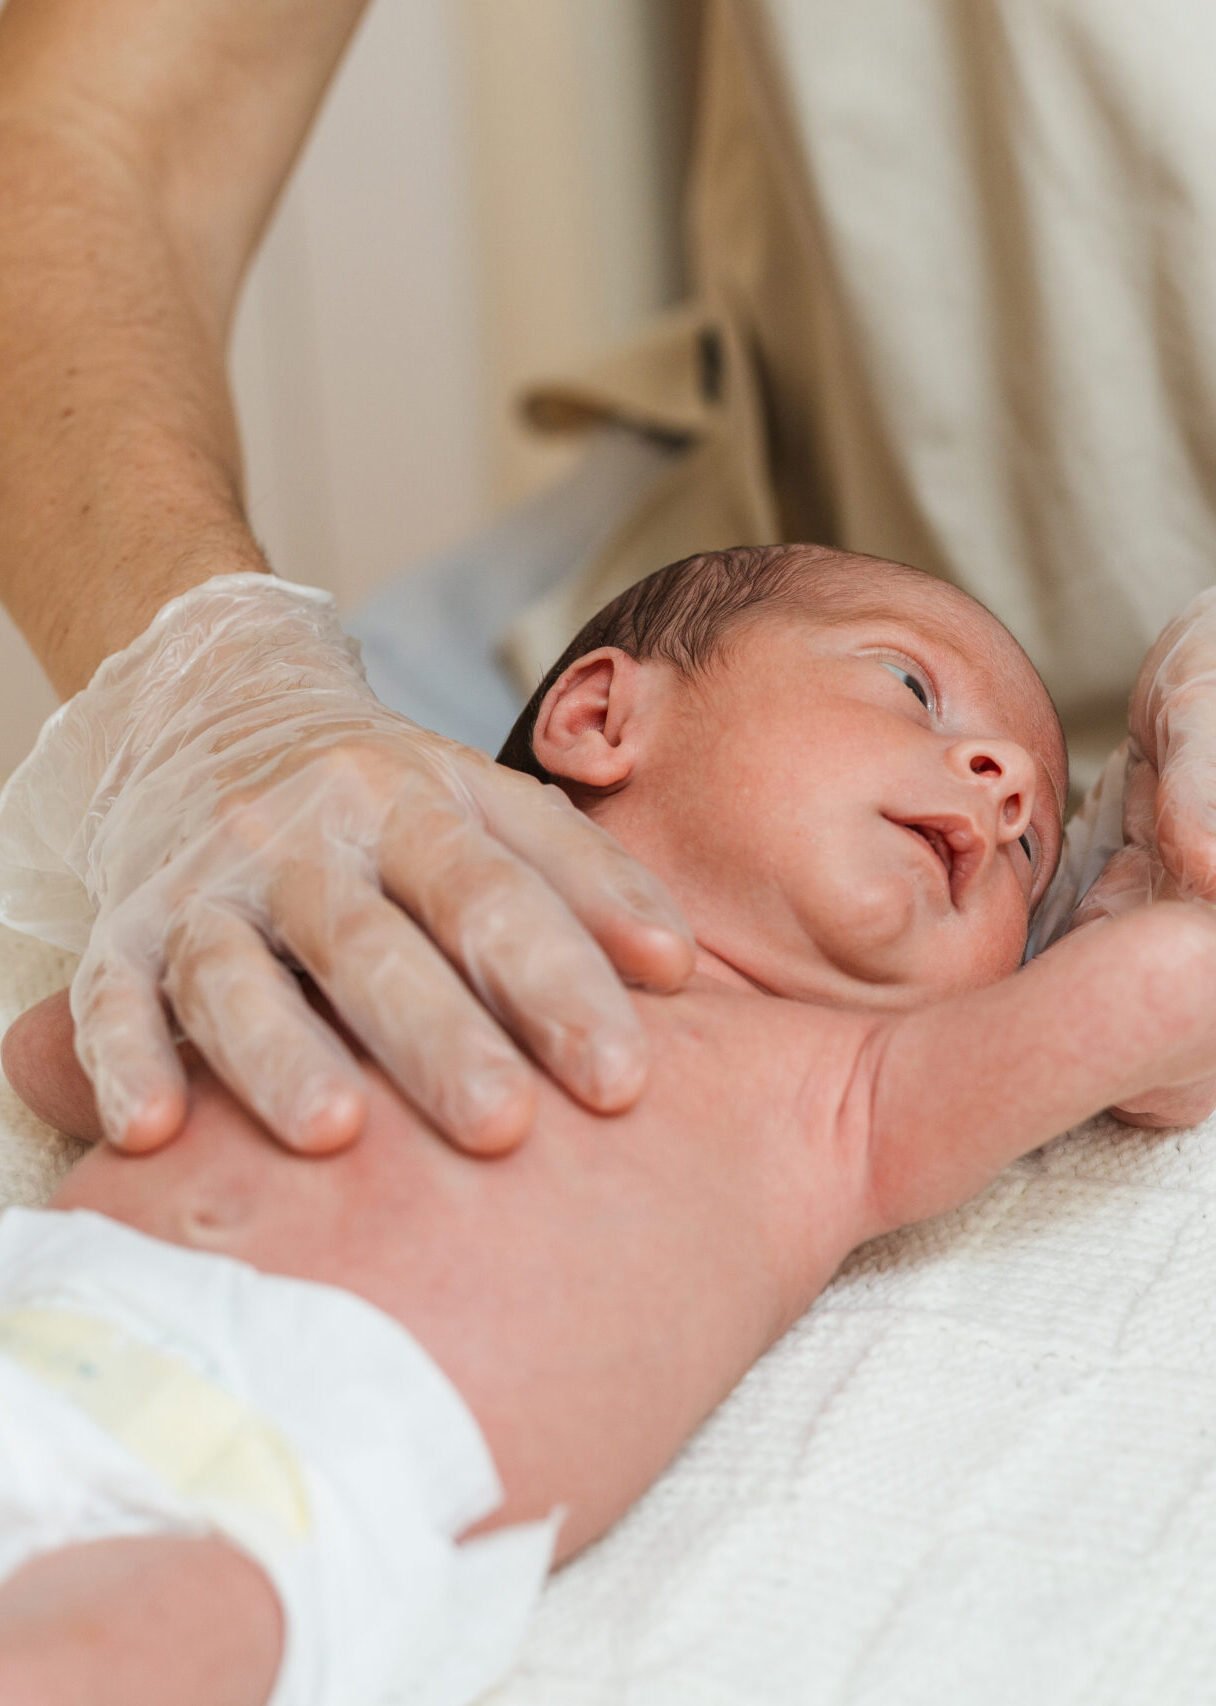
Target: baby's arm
{"points": [[954, 1092]]}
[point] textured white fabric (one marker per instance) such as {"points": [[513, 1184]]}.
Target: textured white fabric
{"points": [[983, 1468]]}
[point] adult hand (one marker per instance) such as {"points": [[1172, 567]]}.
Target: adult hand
{"points": [[226, 794], [1169, 808], [1169, 784]]}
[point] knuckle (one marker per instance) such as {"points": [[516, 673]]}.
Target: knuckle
{"points": [[89, 988], [355, 765], [361, 925], [100, 986], [197, 932], [241, 825], [205, 951], [484, 911], [346, 933]]}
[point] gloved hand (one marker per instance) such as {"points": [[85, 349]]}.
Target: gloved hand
{"points": [[227, 790], [1169, 784], [1153, 837]]}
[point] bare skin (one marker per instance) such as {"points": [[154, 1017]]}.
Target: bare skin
{"points": [[595, 1293], [124, 237], [143, 144]]}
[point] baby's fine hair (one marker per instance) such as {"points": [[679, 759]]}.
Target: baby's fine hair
{"points": [[684, 613]]}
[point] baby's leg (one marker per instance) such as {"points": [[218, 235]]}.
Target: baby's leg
{"points": [[154, 1620]]}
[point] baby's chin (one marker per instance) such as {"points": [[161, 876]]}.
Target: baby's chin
{"points": [[921, 974]]}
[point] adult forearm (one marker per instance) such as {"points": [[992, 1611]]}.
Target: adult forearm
{"points": [[119, 456], [142, 146]]}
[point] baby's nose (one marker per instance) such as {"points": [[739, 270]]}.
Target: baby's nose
{"points": [[1006, 772]]}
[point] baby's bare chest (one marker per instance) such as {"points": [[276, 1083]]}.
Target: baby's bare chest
{"points": [[608, 1282], [736, 1135]]}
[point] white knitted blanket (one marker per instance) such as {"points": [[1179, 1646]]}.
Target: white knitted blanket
{"points": [[981, 1470]]}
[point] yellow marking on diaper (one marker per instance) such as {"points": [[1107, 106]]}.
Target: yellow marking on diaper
{"points": [[198, 1438]]}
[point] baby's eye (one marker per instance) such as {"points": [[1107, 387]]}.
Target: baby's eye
{"points": [[909, 680]]}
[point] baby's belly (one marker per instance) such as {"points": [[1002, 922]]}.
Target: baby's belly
{"points": [[593, 1295]]}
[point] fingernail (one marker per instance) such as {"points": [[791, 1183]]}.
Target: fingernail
{"points": [[615, 1066], [495, 1086], [328, 1113], [500, 1107], [660, 913], [648, 900], [138, 1123]]}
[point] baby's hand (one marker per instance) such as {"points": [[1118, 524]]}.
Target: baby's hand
{"points": [[40, 1063]]}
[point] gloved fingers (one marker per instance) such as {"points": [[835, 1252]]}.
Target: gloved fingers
{"points": [[248, 1017], [407, 1005], [1130, 878], [124, 1044], [1141, 788], [1186, 795], [1172, 719], [1180, 661], [624, 907], [520, 947]]}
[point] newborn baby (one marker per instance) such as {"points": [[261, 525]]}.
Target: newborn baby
{"points": [[851, 779]]}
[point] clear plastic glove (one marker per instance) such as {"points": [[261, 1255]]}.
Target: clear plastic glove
{"points": [[1147, 830], [228, 794]]}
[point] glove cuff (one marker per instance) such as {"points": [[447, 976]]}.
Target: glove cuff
{"points": [[200, 660]]}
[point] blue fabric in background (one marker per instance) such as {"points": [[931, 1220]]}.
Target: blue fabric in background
{"points": [[430, 637]]}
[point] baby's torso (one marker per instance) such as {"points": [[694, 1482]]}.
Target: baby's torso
{"points": [[594, 1294]]}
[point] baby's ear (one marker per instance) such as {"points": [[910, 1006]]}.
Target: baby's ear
{"points": [[589, 727]]}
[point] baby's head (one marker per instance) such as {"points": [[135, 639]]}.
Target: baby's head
{"points": [[846, 771]]}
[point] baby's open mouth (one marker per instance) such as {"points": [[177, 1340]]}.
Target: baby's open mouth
{"points": [[937, 841], [955, 841]]}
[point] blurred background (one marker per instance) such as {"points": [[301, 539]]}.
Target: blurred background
{"points": [[492, 194]]}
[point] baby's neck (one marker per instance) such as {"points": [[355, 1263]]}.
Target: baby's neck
{"points": [[817, 984], [715, 969]]}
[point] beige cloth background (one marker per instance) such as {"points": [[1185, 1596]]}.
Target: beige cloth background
{"points": [[954, 266]]}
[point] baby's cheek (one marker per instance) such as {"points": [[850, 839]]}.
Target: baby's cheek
{"points": [[999, 956]]}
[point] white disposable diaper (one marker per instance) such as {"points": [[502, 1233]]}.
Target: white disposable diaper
{"points": [[146, 1388]]}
